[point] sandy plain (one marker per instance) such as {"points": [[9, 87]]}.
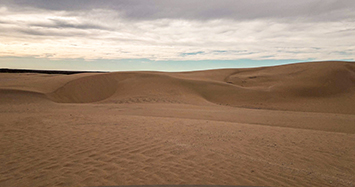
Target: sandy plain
{"points": [[290, 125]]}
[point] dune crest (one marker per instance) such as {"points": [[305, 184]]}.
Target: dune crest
{"points": [[302, 80], [85, 90]]}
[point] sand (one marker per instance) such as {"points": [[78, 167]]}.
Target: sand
{"points": [[291, 125]]}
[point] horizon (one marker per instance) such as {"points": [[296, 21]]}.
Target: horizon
{"points": [[158, 70], [173, 36]]}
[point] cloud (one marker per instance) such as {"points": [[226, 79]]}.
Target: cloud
{"points": [[62, 23], [178, 30], [192, 53], [203, 9]]}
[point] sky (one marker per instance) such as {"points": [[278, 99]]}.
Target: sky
{"points": [[173, 35]]}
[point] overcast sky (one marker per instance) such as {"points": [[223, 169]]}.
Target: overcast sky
{"points": [[53, 31]]}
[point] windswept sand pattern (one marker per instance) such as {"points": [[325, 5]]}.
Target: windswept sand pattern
{"points": [[122, 150], [207, 127]]}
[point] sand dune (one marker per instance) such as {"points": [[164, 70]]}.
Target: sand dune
{"points": [[317, 87], [290, 125], [327, 87], [85, 90], [10, 96]]}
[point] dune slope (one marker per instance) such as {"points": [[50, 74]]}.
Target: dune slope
{"points": [[319, 87]]}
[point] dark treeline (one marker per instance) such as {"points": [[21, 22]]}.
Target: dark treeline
{"points": [[4, 70]]}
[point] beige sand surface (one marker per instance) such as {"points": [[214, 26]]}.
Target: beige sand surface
{"points": [[290, 125]]}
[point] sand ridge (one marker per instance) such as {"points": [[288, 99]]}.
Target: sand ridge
{"points": [[316, 87]]}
